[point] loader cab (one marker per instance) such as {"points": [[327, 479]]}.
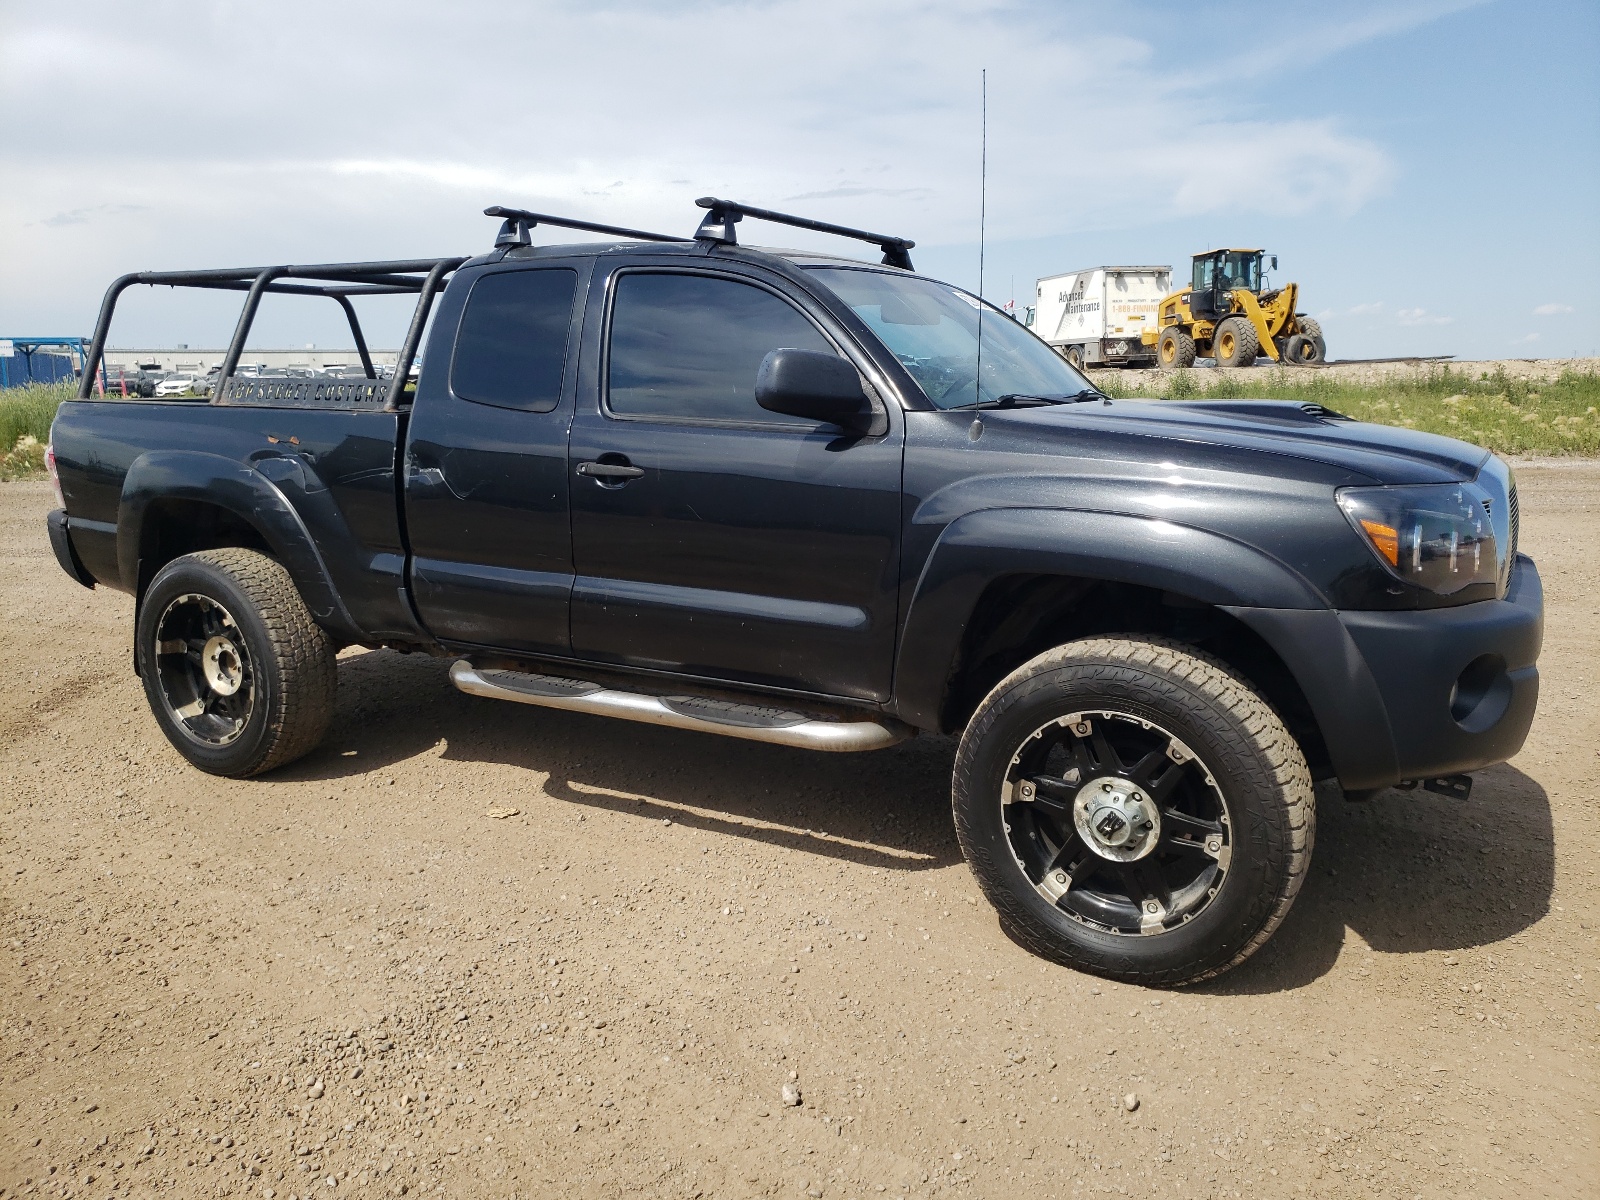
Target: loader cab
{"points": [[1220, 272]]}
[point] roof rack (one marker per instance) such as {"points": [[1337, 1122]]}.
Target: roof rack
{"points": [[519, 223], [727, 213]]}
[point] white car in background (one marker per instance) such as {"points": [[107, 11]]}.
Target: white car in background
{"points": [[176, 385]]}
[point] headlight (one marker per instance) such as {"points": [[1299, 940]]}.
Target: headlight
{"points": [[1437, 536]]}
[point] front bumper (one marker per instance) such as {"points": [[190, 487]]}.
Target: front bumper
{"points": [[1413, 695], [1459, 684]]}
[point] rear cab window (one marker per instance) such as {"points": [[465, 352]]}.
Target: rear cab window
{"points": [[511, 344]]}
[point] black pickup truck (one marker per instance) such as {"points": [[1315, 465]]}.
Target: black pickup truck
{"points": [[828, 503]]}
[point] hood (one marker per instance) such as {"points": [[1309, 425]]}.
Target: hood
{"points": [[1309, 432]]}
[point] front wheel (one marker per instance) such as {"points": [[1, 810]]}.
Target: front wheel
{"points": [[238, 675], [1134, 809], [1235, 343], [1175, 349]]}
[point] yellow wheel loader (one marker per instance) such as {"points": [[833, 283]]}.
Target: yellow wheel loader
{"points": [[1225, 315]]}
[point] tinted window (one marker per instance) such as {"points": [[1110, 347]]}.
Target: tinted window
{"points": [[511, 347], [690, 346]]}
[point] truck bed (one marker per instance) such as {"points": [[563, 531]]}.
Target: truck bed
{"points": [[295, 470]]}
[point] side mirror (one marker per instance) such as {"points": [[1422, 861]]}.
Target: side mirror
{"points": [[1274, 262], [813, 385]]}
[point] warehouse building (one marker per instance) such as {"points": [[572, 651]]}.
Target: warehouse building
{"points": [[183, 359]]}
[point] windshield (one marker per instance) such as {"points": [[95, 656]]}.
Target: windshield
{"points": [[1235, 269], [933, 329]]}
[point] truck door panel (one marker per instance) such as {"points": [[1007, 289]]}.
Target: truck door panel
{"points": [[739, 544], [486, 469]]}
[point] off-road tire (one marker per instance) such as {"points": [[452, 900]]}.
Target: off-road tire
{"points": [[1175, 349], [1235, 343], [1311, 330], [294, 672], [1301, 351], [1256, 763]]}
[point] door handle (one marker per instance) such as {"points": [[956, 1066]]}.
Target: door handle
{"points": [[610, 470]]}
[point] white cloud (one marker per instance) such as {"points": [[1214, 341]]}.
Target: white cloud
{"points": [[1420, 316], [1528, 337], [1314, 39], [866, 114], [1367, 310], [1552, 310]]}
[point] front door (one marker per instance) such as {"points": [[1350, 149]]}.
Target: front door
{"points": [[711, 537], [1204, 299]]}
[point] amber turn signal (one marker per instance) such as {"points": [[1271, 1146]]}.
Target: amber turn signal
{"points": [[1385, 540]]}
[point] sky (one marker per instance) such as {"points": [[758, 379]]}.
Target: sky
{"points": [[1427, 170]]}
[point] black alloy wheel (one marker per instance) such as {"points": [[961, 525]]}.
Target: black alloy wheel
{"points": [[1133, 807], [1116, 822], [203, 668], [239, 676]]}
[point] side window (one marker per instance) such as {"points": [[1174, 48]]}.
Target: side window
{"points": [[511, 346], [1202, 274], [691, 345]]}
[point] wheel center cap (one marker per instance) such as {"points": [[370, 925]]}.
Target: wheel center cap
{"points": [[224, 672], [1108, 823], [1116, 819]]}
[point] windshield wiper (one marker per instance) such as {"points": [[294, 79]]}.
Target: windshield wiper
{"points": [[1014, 399]]}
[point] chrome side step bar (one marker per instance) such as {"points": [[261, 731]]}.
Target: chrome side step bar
{"points": [[749, 721]]}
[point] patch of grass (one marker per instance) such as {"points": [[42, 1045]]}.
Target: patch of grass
{"points": [[25, 416], [1503, 414]]}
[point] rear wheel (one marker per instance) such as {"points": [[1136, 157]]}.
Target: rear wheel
{"points": [[1235, 343], [1134, 809], [1175, 349], [238, 675]]}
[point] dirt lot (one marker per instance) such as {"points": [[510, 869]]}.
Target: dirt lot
{"points": [[352, 977]]}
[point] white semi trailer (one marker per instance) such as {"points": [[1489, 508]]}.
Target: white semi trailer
{"points": [[1095, 316]]}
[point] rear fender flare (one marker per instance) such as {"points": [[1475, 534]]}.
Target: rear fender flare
{"points": [[981, 547], [212, 479]]}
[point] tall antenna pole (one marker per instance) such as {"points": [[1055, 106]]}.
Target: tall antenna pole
{"points": [[983, 215], [983, 178]]}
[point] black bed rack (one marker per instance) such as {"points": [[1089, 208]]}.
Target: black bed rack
{"points": [[336, 281], [722, 215]]}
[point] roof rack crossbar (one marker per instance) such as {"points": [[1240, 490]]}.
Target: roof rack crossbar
{"points": [[726, 213], [519, 222]]}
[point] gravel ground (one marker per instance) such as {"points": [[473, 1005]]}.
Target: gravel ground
{"points": [[476, 949]]}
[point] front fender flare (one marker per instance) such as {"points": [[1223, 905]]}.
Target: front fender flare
{"points": [[981, 547], [205, 478]]}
